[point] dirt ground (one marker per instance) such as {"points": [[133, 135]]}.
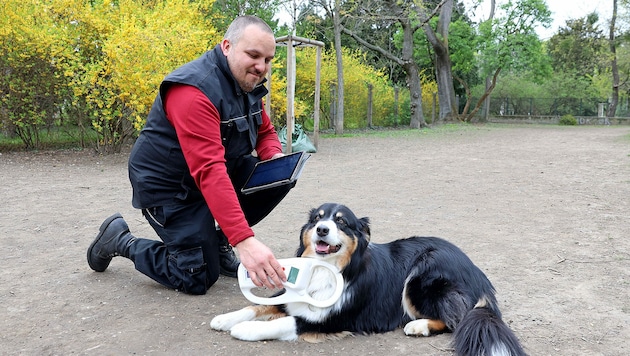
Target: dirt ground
{"points": [[543, 210]]}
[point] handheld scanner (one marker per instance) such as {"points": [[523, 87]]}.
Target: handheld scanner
{"points": [[299, 272]]}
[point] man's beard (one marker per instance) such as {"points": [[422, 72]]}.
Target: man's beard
{"points": [[248, 85]]}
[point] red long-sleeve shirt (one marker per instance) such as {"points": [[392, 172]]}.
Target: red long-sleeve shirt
{"points": [[198, 127]]}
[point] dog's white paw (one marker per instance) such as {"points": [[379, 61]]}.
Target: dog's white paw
{"points": [[248, 330], [225, 322], [418, 327], [277, 329]]}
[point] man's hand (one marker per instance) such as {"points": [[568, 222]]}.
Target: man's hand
{"points": [[259, 261]]}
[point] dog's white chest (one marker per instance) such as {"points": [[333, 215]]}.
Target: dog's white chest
{"points": [[321, 287]]}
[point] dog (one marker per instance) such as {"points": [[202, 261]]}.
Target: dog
{"points": [[426, 285]]}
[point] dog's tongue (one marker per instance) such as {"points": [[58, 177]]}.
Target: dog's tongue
{"points": [[322, 247]]}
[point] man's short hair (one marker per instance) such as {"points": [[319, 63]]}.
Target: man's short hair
{"points": [[235, 30]]}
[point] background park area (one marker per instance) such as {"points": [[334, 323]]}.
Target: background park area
{"points": [[543, 210]]}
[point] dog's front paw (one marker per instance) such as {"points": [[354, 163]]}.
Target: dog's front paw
{"points": [[248, 330], [225, 322], [418, 327], [256, 330]]}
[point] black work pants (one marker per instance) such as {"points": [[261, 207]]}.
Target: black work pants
{"points": [[187, 257]]}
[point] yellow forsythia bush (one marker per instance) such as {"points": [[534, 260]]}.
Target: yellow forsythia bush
{"points": [[357, 76], [103, 58]]}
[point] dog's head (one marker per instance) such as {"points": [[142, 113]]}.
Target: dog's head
{"points": [[334, 234]]}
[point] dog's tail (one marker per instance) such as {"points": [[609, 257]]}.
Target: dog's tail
{"points": [[482, 333]]}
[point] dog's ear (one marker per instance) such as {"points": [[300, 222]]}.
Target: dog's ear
{"points": [[312, 214], [364, 226]]}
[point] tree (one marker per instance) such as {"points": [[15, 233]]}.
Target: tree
{"points": [[578, 47], [510, 43], [224, 11], [333, 11], [405, 14], [612, 108], [357, 74], [443, 65], [486, 103]]}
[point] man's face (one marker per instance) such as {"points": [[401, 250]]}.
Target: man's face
{"points": [[250, 58]]}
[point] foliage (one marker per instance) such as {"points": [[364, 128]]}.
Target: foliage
{"points": [[357, 75], [462, 44], [29, 59], [510, 41], [94, 66], [141, 42], [568, 120], [429, 92], [519, 94], [100, 61], [579, 47], [224, 11]]}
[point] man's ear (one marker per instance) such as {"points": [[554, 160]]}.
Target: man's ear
{"points": [[226, 46]]}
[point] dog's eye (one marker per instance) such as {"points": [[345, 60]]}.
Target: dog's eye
{"points": [[339, 220], [316, 218]]}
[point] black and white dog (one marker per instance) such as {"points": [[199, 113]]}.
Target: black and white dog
{"points": [[425, 284]]}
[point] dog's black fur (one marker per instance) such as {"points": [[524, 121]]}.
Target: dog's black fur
{"points": [[425, 284]]}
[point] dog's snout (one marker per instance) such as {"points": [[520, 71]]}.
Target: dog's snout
{"points": [[322, 230]]}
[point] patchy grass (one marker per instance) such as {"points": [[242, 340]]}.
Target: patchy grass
{"points": [[57, 138], [405, 132]]}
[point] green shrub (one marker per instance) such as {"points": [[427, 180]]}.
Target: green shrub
{"points": [[568, 119]]}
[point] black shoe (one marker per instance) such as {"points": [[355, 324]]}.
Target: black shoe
{"points": [[228, 262], [112, 240]]}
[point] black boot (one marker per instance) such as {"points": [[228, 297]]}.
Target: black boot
{"points": [[113, 239], [228, 262]]}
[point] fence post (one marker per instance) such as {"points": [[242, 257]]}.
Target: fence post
{"points": [[333, 105], [369, 108], [396, 90], [433, 107]]}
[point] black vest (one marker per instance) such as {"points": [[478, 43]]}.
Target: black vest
{"points": [[157, 169]]}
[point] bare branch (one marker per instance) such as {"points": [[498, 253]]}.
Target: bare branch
{"points": [[373, 47]]}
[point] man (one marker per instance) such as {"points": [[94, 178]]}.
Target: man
{"points": [[206, 130]]}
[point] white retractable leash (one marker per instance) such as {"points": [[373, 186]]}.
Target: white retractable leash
{"points": [[299, 271]]}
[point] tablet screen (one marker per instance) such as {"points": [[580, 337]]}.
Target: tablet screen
{"points": [[274, 170]]}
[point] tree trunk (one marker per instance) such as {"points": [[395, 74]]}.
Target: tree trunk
{"points": [[486, 103], [612, 109], [411, 69], [405, 60], [340, 81], [415, 91], [493, 83], [443, 65]]}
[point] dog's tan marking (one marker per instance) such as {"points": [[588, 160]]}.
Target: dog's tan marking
{"points": [[436, 326], [267, 312], [424, 327], [308, 246], [343, 259]]}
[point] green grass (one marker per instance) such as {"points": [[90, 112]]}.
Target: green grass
{"points": [[69, 137], [404, 132], [440, 130], [53, 139]]}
